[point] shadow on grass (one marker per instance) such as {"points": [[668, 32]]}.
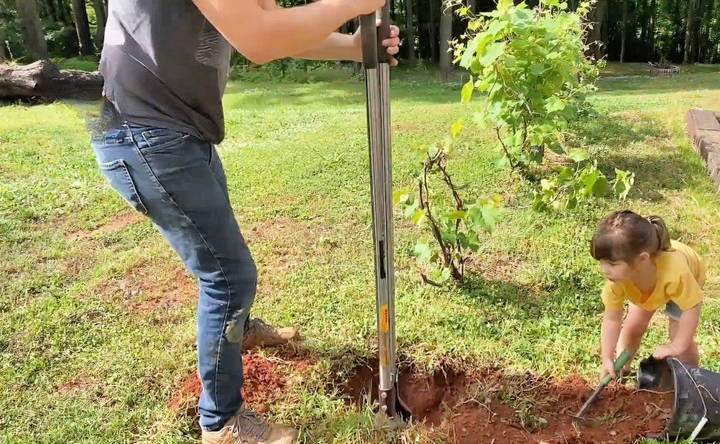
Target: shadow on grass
{"points": [[655, 170]]}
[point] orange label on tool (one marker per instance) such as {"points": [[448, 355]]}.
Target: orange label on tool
{"points": [[384, 319], [384, 359]]}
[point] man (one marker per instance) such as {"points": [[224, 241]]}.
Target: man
{"points": [[165, 65]]}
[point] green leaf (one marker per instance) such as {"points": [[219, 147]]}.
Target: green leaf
{"points": [[456, 215], [502, 162], [624, 181], [410, 208], [440, 275], [456, 129], [491, 215], [400, 196], [469, 53], [554, 104], [601, 186], [423, 251], [504, 5], [578, 155], [473, 241], [448, 236], [418, 217], [467, 91], [536, 70], [492, 53]]}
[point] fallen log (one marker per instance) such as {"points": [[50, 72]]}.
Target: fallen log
{"points": [[44, 81]]}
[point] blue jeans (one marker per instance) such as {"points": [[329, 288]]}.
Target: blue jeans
{"points": [[178, 181]]}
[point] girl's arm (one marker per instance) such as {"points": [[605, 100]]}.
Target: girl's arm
{"points": [[687, 327], [609, 334]]}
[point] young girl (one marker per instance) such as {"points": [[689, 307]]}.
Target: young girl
{"points": [[642, 265]]}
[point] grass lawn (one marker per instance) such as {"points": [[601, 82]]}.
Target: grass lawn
{"points": [[97, 316], [643, 69]]}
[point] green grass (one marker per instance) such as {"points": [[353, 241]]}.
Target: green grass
{"points": [[614, 69], [84, 63], [78, 363]]}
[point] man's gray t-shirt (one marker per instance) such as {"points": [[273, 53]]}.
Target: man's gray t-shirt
{"points": [[165, 65]]}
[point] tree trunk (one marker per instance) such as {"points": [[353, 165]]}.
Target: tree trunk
{"points": [[690, 35], [3, 52], [43, 80], [64, 14], [32, 31], [643, 21], [446, 19], [99, 8], [409, 42], [599, 23], [697, 39], [52, 12], [431, 33], [623, 30], [651, 31], [706, 35], [82, 27]]}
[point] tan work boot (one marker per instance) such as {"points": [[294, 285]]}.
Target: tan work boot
{"points": [[261, 334], [246, 428]]}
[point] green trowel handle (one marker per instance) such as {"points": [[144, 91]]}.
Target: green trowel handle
{"points": [[620, 362]]}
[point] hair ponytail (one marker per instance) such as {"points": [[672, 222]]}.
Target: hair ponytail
{"points": [[663, 235], [623, 235]]}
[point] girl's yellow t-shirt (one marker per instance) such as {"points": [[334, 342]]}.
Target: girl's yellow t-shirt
{"points": [[680, 277]]}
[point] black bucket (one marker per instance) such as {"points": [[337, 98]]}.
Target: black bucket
{"points": [[697, 396]]}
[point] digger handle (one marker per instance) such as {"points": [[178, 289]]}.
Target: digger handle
{"points": [[372, 36], [620, 362]]}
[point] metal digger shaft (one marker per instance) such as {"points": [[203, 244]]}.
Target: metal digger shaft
{"points": [[377, 82]]}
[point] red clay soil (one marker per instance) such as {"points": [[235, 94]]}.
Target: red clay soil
{"points": [[494, 407], [121, 222], [265, 382], [146, 289]]}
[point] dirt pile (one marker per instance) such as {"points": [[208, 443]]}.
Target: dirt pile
{"points": [[492, 406]]}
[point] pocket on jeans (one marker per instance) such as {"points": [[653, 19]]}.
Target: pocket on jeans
{"points": [[157, 139], [118, 176]]}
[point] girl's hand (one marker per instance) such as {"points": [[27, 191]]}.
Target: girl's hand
{"points": [[608, 368], [666, 351]]}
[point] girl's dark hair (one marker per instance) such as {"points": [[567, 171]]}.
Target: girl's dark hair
{"points": [[623, 235]]}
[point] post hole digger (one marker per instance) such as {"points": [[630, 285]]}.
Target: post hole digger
{"points": [[376, 62]]}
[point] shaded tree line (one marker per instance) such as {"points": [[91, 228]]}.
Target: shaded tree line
{"points": [[684, 31]]}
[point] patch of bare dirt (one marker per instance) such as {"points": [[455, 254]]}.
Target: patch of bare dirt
{"points": [[492, 406], [150, 288], [120, 222], [266, 381]]}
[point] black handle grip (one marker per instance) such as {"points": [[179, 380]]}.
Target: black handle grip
{"points": [[373, 35], [369, 41], [384, 33]]}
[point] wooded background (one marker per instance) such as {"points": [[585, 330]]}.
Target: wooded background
{"points": [[680, 31]]}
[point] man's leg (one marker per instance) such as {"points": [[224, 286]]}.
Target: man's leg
{"points": [[257, 333], [167, 176]]}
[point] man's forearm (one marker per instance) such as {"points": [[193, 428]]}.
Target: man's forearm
{"points": [[336, 47], [264, 35]]}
